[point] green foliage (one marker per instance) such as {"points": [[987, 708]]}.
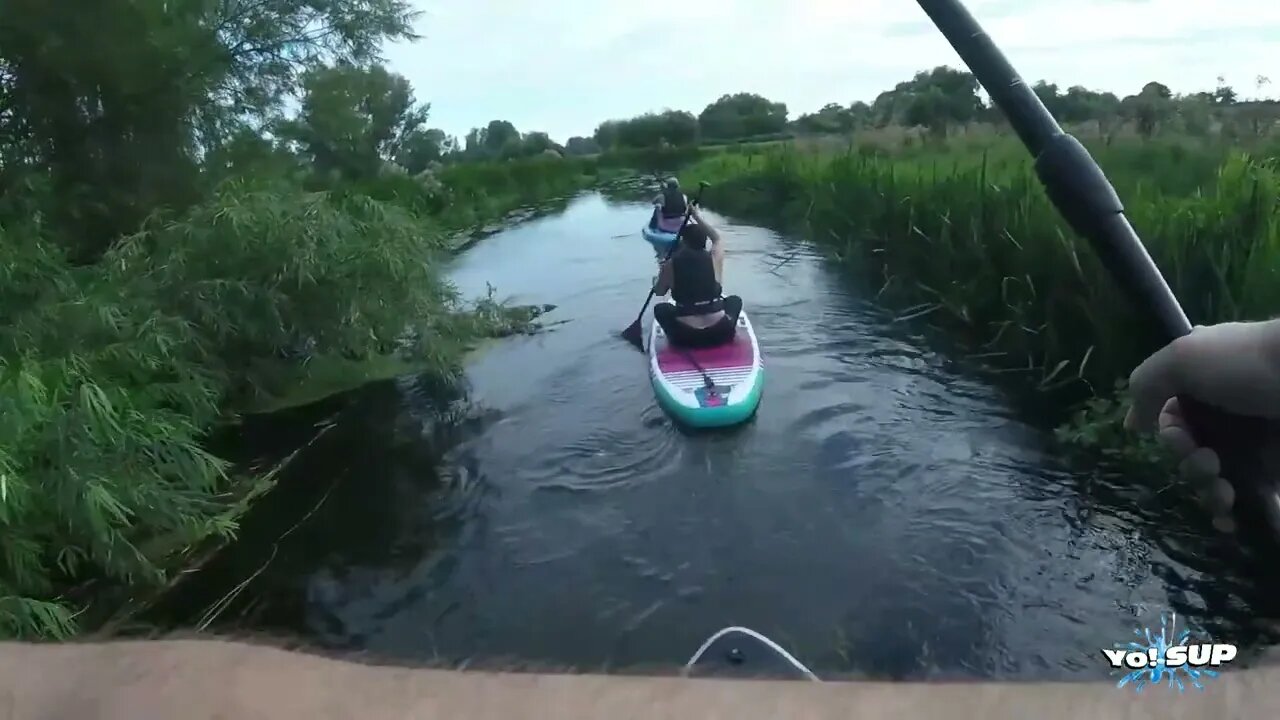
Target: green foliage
{"points": [[474, 191], [112, 374], [1097, 426], [500, 140], [835, 119], [119, 101], [972, 236], [945, 99], [173, 249], [102, 407], [1077, 104], [354, 120], [936, 99], [741, 115], [669, 128], [577, 145]]}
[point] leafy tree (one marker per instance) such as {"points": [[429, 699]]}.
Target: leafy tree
{"points": [[497, 139], [1049, 96], [834, 118], [1224, 94], [934, 99], [499, 134], [1150, 108], [655, 130], [356, 119], [670, 127], [536, 143], [1081, 104], [420, 148], [120, 102], [581, 146], [606, 134], [742, 115]]}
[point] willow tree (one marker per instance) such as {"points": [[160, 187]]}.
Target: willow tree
{"points": [[120, 99]]}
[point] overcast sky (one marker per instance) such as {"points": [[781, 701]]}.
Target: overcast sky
{"points": [[563, 66]]}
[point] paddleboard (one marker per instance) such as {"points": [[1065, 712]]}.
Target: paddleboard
{"points": [[664, 236], [679, 375], [658, 238]]}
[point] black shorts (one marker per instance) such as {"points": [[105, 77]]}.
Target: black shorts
{"points": [[683, 335]]}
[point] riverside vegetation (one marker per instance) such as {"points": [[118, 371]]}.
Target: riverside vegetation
{"points": [[176, 249], [208, 209], [961, 234], [928, 191]]}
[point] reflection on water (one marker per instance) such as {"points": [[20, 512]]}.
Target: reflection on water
{"points": [[885, 513]]}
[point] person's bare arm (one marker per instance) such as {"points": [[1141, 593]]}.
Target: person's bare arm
{"points": [[207, 679], [717, 245], [663, 286]]}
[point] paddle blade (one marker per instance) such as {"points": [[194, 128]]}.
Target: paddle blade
{"points": [[633, 336]]}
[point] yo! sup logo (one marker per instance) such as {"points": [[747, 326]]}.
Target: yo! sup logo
{"points": [[1169, 658]]}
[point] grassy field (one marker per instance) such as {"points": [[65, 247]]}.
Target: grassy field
{"points": [[962, 234]]}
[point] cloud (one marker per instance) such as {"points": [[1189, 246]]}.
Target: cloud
{"points": [[564, 66]]}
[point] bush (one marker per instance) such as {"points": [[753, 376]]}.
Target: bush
{"points": [[112, 375]]}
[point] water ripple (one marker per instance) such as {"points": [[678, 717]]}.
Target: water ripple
{"points": [[884, 513]]}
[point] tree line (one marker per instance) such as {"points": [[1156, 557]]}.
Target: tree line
{"points": [[346, 105], [938, 100]]}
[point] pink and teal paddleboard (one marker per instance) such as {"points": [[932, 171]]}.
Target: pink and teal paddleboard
{"points": [[679, 377]]}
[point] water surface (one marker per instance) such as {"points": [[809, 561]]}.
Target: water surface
{"points": [[885, 513]]}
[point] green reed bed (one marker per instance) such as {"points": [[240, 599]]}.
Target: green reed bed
{"points": [[972, 241]]}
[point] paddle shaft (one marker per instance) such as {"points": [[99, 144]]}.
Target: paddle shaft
{"points": [[1088, 202]]}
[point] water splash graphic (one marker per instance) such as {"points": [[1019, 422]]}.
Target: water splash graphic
{"points": [[1155, 647]]}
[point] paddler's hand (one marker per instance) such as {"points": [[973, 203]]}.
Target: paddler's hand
{"points": [[1233, 366]]}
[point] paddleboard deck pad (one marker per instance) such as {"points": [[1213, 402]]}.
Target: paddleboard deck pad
{"points": [[679, 377]]}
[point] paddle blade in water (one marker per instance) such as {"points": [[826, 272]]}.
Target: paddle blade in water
{"points": [[633, 336]]}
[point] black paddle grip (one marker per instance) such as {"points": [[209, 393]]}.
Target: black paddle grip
{"points": [[1090, 205], [1238, 441]]}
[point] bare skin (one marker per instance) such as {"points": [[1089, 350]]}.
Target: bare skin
{"points": [[198, 679], [663, 284], [1234, 366]]}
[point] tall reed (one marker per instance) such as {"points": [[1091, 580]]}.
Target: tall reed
{"points": [[970, 236]]}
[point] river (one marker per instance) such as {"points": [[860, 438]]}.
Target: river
{"points": [[887, 512]]}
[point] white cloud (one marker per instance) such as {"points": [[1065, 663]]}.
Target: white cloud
{"points": [[565, 65]]}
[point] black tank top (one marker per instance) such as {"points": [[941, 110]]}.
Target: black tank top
{"points": [[673, 204], [693, 282]]}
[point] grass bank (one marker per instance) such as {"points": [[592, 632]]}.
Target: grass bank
{"points": [[965, 236], [115, 373]]}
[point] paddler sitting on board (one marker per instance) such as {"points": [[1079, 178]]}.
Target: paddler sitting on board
{"points": [[700, 315], [669, 207]]}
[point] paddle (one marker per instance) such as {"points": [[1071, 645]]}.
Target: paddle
{"points": [[632, 333], [1089, 203]]}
